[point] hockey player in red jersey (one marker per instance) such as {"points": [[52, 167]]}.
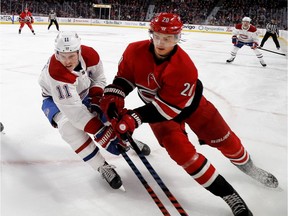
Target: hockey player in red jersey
{"points": [[245, 34], [26, 18], [168, 84], [72, 83]]}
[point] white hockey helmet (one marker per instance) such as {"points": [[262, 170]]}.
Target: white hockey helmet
{"points": [[67, 42], [246, 19]]}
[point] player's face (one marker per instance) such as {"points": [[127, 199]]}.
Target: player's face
{"points": [[69, 60], [164, 43], [245, 24]]}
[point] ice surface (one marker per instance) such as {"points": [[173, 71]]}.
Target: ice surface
{"points": [[42, 176]]}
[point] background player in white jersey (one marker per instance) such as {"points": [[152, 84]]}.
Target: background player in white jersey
{"points": [[245, 34], [72, 82], [52, 18]]}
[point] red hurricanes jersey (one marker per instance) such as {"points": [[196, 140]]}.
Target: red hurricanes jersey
{"points": [[168, 85], [25, 16]]}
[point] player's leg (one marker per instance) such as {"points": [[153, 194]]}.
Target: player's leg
{"points": [[211, 129], [233, 52], [84, 146], [260, 57], [173, 138], [30, 27], [21, 26], [81, 143]]}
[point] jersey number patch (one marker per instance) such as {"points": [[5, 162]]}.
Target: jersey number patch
{"points": [[63, 92], [188, 89]]}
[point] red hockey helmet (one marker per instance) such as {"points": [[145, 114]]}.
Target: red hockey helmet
{"points": [[166, 23]]}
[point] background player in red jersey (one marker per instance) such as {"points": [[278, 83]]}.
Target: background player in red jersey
{"points": [[26, 18], [245, 34], [168, 84]]}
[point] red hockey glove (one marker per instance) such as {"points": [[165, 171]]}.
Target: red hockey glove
{"points": [[128, 121], [112, 101], [95, 95], [254, 45], [234, 40], [107, 138]]}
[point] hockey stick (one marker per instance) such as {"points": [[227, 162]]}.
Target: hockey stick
{"points": [[146, 185], [156, 177], [272, 51]]}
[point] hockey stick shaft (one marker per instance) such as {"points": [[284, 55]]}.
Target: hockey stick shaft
{"points": [[272, 51], [164, 188], [146, 185]]}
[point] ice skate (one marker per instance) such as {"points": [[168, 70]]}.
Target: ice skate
{"points": [[144, 148], [230, 60], [258, 174], [237, 205], [263, 63], [110, 175]]}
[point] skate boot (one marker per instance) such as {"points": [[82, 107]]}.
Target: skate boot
{"points": [[110, 175], [263, 63], [19, 31], [144, 148], [230, 60], [258, 174], [237, 205]]}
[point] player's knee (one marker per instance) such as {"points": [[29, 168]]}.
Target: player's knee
{"points": [[179, 148]]}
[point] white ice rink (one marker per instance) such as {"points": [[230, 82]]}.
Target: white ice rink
{"points": [[42, 176]]}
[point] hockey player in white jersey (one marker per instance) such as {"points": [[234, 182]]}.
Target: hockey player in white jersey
{"points": [[72, 84], [245, 34]]}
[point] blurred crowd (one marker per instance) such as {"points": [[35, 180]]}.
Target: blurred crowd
{"points": [[209, 12]]}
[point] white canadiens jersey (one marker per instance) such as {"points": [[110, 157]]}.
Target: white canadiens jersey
{"points": [[246, 36], [68, 89]]}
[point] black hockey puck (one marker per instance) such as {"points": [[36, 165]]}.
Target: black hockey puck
{"points": [[1, 127]]}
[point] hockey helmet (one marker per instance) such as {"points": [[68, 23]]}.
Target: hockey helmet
{"points": [[246, 19], [166, 23], [67, 42]]}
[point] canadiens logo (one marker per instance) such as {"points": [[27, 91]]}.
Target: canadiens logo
{"points": [[243, 36]]}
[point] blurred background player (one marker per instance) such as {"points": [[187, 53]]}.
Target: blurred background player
{"points": [[245, 34], [168, 84], [26, 18], [52, 18], [72, 81], [272, 30]]}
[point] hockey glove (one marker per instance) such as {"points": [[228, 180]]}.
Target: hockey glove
{"points": [[112, 101], [128, 121], [94, 97], [107, 138], [234, 40], [254, 45]]}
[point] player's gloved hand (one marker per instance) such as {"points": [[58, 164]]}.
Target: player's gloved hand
{"points": [[234, 40], [107, 138], [113, 101], [254, 45], [128, 121], [94, 97]]}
